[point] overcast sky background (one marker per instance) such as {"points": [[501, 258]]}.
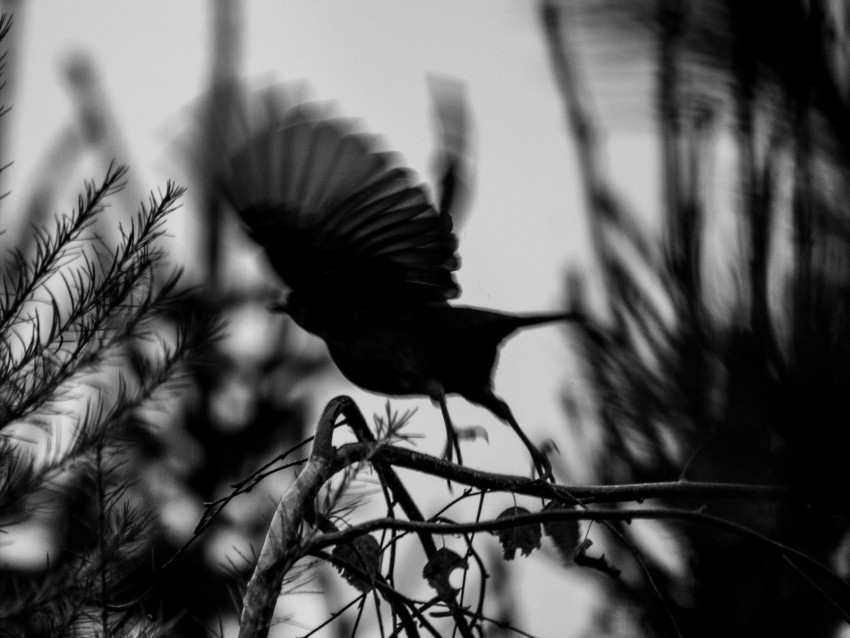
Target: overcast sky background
{"points": [[372, 59]]}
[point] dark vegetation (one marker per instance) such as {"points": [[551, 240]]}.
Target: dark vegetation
{"points": [[718, 362]]}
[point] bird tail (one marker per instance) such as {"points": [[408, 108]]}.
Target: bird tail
{"points": [[524, 321], [499, 325], [513, 323]]}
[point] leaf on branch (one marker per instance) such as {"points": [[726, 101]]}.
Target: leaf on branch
{"points": [[363, 555], [564, 534], [439, 568], [523, 537], [599, 563]]}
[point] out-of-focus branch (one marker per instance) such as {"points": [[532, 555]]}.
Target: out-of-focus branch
{"points": [[226, 50], [578, 115], [452, 161], [8, 51], [606, 210], [94, 127], [97, 125]]}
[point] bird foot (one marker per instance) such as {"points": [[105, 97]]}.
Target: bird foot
{"points": [[542, 465], [452, 446]]}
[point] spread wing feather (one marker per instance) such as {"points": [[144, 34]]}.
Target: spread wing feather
{"points": [[333, 213]]}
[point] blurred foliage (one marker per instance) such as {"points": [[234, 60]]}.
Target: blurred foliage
{"points": [[83, 353], [165, 457], [722, 349], [95, 344]]}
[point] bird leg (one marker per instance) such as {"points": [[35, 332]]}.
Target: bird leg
{"points": [[498, 407], [452, 442]]}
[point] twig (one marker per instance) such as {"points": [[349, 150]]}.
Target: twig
{"points": [[389, 478], [660, 513]]}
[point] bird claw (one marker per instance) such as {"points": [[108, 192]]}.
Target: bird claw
{"points": [[542, 465], [452, 446], [447, 451]]}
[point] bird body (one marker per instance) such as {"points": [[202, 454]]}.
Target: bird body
{"points": [[431, 350], [368, 259]]}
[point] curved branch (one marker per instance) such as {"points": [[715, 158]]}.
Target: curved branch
{"points": [[283, 544]]}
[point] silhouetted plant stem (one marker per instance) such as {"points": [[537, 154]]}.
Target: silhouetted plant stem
{"points": [[7, 85], [101, 537], [578, 117], [226, 58], [629, 514]]}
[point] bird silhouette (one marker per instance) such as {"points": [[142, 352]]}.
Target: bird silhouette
{"points": [[368, 259]]}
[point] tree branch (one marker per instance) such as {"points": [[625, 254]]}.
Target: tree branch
{"points": [[582, 494], [283, 546], [509, 522]]}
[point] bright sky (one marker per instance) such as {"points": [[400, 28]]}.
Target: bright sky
{"points": [[372, 58]]}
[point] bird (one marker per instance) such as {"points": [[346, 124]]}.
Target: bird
{"points": [[368, 259]]}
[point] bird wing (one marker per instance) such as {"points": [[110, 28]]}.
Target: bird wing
{"points": [[335, 215]]}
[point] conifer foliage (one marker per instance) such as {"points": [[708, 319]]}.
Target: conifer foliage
{"points": [[85, 352], [82, 351]]}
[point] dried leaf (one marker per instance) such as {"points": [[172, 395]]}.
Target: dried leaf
{"points": [[439, 568], [363, 555], [564, 534], [523, 537]]}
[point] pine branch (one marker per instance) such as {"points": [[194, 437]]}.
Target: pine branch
{"points": [[28, 274], [120, 294]]}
